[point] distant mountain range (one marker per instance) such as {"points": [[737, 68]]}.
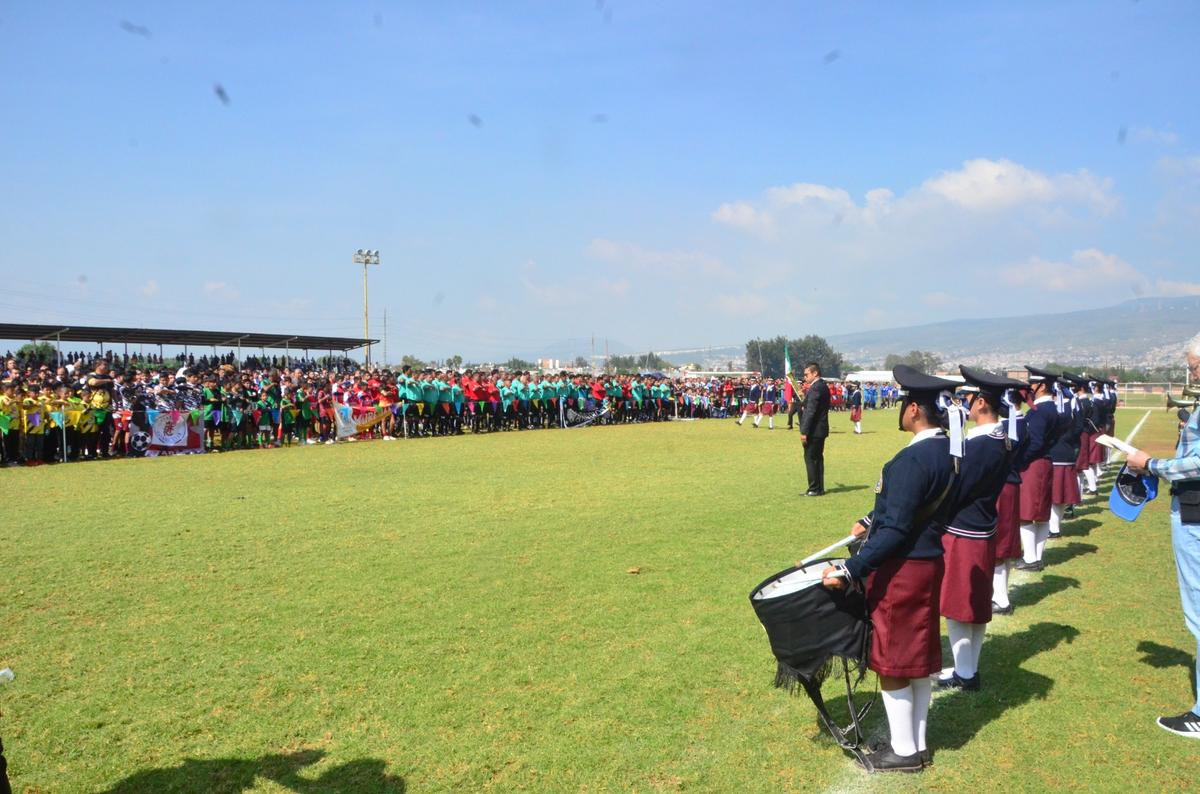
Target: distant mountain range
{"points": [[1138, 332], [1143, 332]]}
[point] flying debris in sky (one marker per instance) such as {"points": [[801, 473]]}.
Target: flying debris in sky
{"points": [[219, 90], [475, 120], [137, 30], [831, 56]]}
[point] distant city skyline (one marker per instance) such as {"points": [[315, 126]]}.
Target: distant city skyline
{"points": [[662, 175]]}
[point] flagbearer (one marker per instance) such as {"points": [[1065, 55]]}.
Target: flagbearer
{"points": [[900, 567], [969, 542]]}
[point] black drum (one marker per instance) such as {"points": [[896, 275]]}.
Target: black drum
{"points": [[809, 626]]}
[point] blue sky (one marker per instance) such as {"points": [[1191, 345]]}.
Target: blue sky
{"points": [[663, 174]]}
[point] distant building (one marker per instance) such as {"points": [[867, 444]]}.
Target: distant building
{"points": [[549, 364]]}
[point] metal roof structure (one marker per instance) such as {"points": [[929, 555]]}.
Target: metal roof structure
{"points": [[158, 336]]}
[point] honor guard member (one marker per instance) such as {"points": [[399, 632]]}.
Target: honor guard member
{"points": [[900, 569], [1036, 471], [1064, 454], [969, 541]]}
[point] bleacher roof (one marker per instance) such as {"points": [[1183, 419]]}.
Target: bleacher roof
{"points": [[158, 336]]}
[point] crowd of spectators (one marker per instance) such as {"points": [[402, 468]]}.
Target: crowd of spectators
{"points": [[83, 408]]}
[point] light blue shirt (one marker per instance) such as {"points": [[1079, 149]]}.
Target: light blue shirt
{"points": [[1186, 463]]}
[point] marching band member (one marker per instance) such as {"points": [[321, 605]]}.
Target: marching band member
{"points": [[900, 567], [1036, 470]]}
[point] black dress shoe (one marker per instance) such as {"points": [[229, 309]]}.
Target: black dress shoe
{"points": [[926, 757], [999, 610], [1054, 536], [1029, 566], [886, 760], [956, 681], [811, 492]]}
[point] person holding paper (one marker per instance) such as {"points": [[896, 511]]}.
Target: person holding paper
{"points": [[1183, 472]]}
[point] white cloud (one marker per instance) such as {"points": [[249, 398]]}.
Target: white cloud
{"points": [[937, 299], [220, 290], [1091, 267], [675, 263], [1174, 289], [554, 296], [743, 215], [150, 288], [981, 187], [1180, 167], [1151, 135]]}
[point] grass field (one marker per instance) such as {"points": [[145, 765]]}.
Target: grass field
{"points": [[555, 611]]}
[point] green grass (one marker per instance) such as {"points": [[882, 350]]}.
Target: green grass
{"points": [[458, 614]]}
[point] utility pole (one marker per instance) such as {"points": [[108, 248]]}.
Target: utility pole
{"points": [[366, 257], [385, 355]]}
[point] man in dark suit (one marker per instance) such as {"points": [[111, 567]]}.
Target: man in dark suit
{"points": [[814, 428]]}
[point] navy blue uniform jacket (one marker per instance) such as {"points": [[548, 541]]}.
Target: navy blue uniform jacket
{"points": [[900, 524]]}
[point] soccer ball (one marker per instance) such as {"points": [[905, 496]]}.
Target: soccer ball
{"points": [[139, 441]]}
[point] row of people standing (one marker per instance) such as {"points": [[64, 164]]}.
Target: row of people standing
{"points": [[950, 511]]}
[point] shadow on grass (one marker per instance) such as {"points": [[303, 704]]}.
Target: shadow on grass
{"points": [[847, 488], [1030, 593], [1162, 656], [195, 776], [1078, 528], [957, 716], [1090, 509], [1056, 555]]}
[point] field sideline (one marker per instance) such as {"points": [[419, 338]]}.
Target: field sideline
{"points": [[555, 610]]}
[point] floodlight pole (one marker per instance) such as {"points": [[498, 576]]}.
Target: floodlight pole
{"points": [[366, 257]]}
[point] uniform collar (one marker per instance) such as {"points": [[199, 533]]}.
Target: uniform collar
{"points": [[1046, 399], [925, 434], [982, 430]]}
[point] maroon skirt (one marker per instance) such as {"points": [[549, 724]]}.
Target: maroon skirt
{"points": [[1036, 484], [902, 597], [1085, 449], [1095, 451], [1064, 486], [1008, 523], [967, 582]]}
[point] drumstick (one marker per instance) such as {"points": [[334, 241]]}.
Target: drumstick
{"points": [[846, 541]]}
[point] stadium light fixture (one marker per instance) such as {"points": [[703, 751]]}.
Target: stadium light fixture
{"points": [[366, 257]]}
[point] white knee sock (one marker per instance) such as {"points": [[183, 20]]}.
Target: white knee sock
{"points": [[771, 422], [743, 419], [1043, 531], [922, 689], [898, 703], [960, 646], [1000, 584], [1089, 474], [858, 427], [978, 631], [1029, 542], [1056, 514], [757, 419]]}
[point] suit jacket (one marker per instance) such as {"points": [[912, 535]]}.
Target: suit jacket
{"points": [[815, 419]]}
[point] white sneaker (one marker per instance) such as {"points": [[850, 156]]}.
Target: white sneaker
{"points": [[330, 441]]}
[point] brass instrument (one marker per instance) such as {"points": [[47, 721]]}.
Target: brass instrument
{"points": [[1184, 409]]}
